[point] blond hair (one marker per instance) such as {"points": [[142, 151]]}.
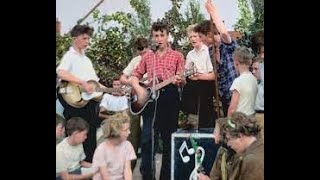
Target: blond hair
{"points": [[112, 126], [191, 28], [243, 55]]}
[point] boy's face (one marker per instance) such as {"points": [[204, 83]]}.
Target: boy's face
{"points": [[194, 39], [82, 41], [80, 136], [205, 39], [60, 131], [125, 132], [261, 52], [256, 70], [161, 38], [235, 143], [116, 84]]}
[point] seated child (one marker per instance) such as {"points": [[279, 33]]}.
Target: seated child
{"points": [[113, 156]]}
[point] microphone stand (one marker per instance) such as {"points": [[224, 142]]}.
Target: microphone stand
{"points": [[154, 48]]}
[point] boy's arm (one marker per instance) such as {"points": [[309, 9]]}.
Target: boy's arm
{"points": [[127, 171], [85, 164], [212, 10], [66, 176], [206, 76], [234, 102]]}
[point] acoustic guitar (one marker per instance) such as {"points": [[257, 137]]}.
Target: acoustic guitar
{"points": [[77, 97], [139, 98]]}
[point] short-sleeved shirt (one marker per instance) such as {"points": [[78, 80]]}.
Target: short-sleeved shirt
{"points": [[201, 60], [166, 66], [260, 95], [246, 85], [114, 159], [114, 103], [68, 157], [78, 65], [226, 70], [132, 65]]}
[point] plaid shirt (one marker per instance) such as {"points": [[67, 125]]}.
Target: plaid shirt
{"points": [[226, 70], [166, 66]]}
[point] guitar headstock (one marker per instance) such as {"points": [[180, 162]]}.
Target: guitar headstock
{"points": [[190, 70]]}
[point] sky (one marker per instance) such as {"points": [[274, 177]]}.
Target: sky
{"points": [[69, 11]]}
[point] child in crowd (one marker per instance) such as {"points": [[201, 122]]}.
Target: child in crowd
{"points": [[60, 129], [112, 158], [244, 88], [70, 154]]}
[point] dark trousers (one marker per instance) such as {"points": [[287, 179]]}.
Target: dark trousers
{"points": [[134, 136], [166, 122], [90, 114], [225, 105], [198, 99]]}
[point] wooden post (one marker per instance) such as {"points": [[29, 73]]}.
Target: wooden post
{"points": [[95, 7], [216, 72]]}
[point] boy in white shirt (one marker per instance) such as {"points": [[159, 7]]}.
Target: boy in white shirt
{"points": [[244, 87], [70, 154]]}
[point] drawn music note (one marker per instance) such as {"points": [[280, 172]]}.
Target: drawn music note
{"points": [[200, 151], [190, 151]]}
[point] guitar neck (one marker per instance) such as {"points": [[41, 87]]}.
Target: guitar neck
{"points": [[168, 81], [107, 90], [164, 83]]}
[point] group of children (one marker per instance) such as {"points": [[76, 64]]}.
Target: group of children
{"points": [[112, 157]]}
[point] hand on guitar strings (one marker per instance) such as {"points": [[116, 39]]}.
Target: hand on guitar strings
{"points": [[178, 80], [86, 86]]}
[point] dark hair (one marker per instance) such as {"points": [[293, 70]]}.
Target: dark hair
{"points": [[141, 43], [116, 78], [257, 59], [257, 41], [160, 26], [76, 124], [205, 27], [81, 29], [240, 123], [60, 120]]}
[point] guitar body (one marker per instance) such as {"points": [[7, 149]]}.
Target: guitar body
{"points": [[140, 97], [97, 96], [71, 93]]}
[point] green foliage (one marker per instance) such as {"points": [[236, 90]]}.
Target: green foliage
{"points": [[246, 17], [178, 23], [112, 42], [250, 23], [258, 13], [142, 22], [63, 44]]}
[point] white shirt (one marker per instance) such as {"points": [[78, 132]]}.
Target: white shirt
{"points": [[68, 157], [114, 103], [200, 59], [260, 95], [78, 65], [132, 65], [246, 85]]}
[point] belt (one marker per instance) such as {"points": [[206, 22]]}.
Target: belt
{"points": [[259, 111]]}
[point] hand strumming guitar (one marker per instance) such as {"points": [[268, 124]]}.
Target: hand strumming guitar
{"points": [[179, 80], [86, 86]]}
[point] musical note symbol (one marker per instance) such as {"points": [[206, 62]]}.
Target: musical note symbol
{"points": [[190, 151], [200, 151]]}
